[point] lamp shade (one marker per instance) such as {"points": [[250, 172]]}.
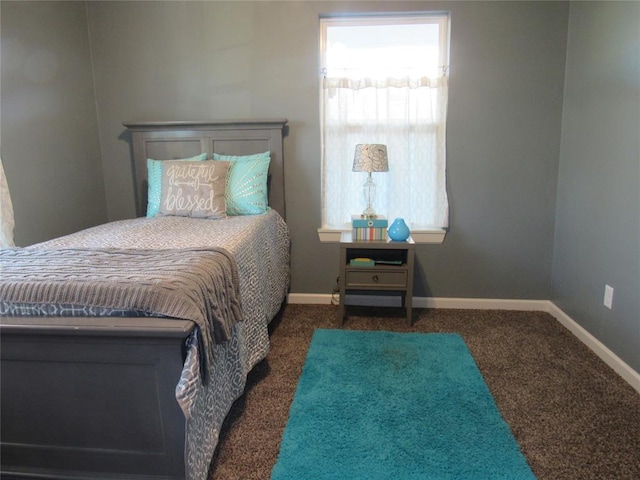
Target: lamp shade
{"points": [[370, 157]]}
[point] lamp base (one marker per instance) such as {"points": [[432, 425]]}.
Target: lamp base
{"points": [[369, 190]]}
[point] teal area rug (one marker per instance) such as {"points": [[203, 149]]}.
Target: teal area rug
{"points": [[383, 405]]}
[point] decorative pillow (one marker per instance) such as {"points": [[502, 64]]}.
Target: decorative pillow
{"points": [[194, 189], [247, 183], [154, 178]]}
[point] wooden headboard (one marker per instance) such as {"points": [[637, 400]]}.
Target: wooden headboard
{"points": [[171, 140]]}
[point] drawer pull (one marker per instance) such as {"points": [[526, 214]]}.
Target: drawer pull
{"points": [[375, 278]]}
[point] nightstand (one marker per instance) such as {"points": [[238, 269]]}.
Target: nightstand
{"points": [[391, 272]]}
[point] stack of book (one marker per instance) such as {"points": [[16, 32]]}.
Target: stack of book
{"points": [[368, 228]]}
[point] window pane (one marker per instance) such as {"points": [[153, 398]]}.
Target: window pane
{"points": [[380, 51]]}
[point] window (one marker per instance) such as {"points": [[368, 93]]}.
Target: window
{"points": [[384, 81]]}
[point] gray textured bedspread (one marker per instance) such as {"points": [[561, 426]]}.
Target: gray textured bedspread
{"points": [[200, 285]]}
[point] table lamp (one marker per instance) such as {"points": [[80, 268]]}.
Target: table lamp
{"points": [[370, 158]]}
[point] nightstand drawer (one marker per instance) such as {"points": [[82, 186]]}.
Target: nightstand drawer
{"points": [[388, 279]]}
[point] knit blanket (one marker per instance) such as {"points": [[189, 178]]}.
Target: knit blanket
{"points": [[194, 284]]}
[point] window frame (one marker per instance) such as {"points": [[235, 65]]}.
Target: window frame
{"points": [[443, 19], [379, 19]]}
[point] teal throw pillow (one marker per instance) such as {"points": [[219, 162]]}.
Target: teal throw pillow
{"points": [[154, 178], [247, 183]]}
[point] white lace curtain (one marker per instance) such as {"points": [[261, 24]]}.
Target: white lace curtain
{"points": [[6, 211], [409, 116]]}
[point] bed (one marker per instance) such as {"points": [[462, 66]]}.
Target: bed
{"points": [[108, 390]]}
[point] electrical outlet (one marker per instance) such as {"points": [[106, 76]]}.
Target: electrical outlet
{"points": [[608, 296]]}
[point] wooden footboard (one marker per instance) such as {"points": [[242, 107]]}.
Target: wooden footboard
{"points": [[92, 398]]}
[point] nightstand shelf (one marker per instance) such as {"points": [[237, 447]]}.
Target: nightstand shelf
{"points": [[392, 271]]}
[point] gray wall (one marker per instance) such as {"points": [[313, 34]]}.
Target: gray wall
{"points": [[199, 60], [49, 139], [597, 239]]}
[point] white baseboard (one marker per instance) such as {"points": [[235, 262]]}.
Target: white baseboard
{"points": [[425, 302], [607, 356], [309, 298], [616, 363], [480, 303]]}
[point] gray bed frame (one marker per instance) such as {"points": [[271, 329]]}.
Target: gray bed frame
{"points": [[94, 398]]}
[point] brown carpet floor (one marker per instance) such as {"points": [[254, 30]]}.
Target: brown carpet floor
{"points": [[573, 416]]}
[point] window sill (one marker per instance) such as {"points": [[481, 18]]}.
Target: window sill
{"points": [[425, 235]]}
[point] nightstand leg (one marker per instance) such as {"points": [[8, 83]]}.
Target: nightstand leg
{"points": [[342, 284], [342, 309]]}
